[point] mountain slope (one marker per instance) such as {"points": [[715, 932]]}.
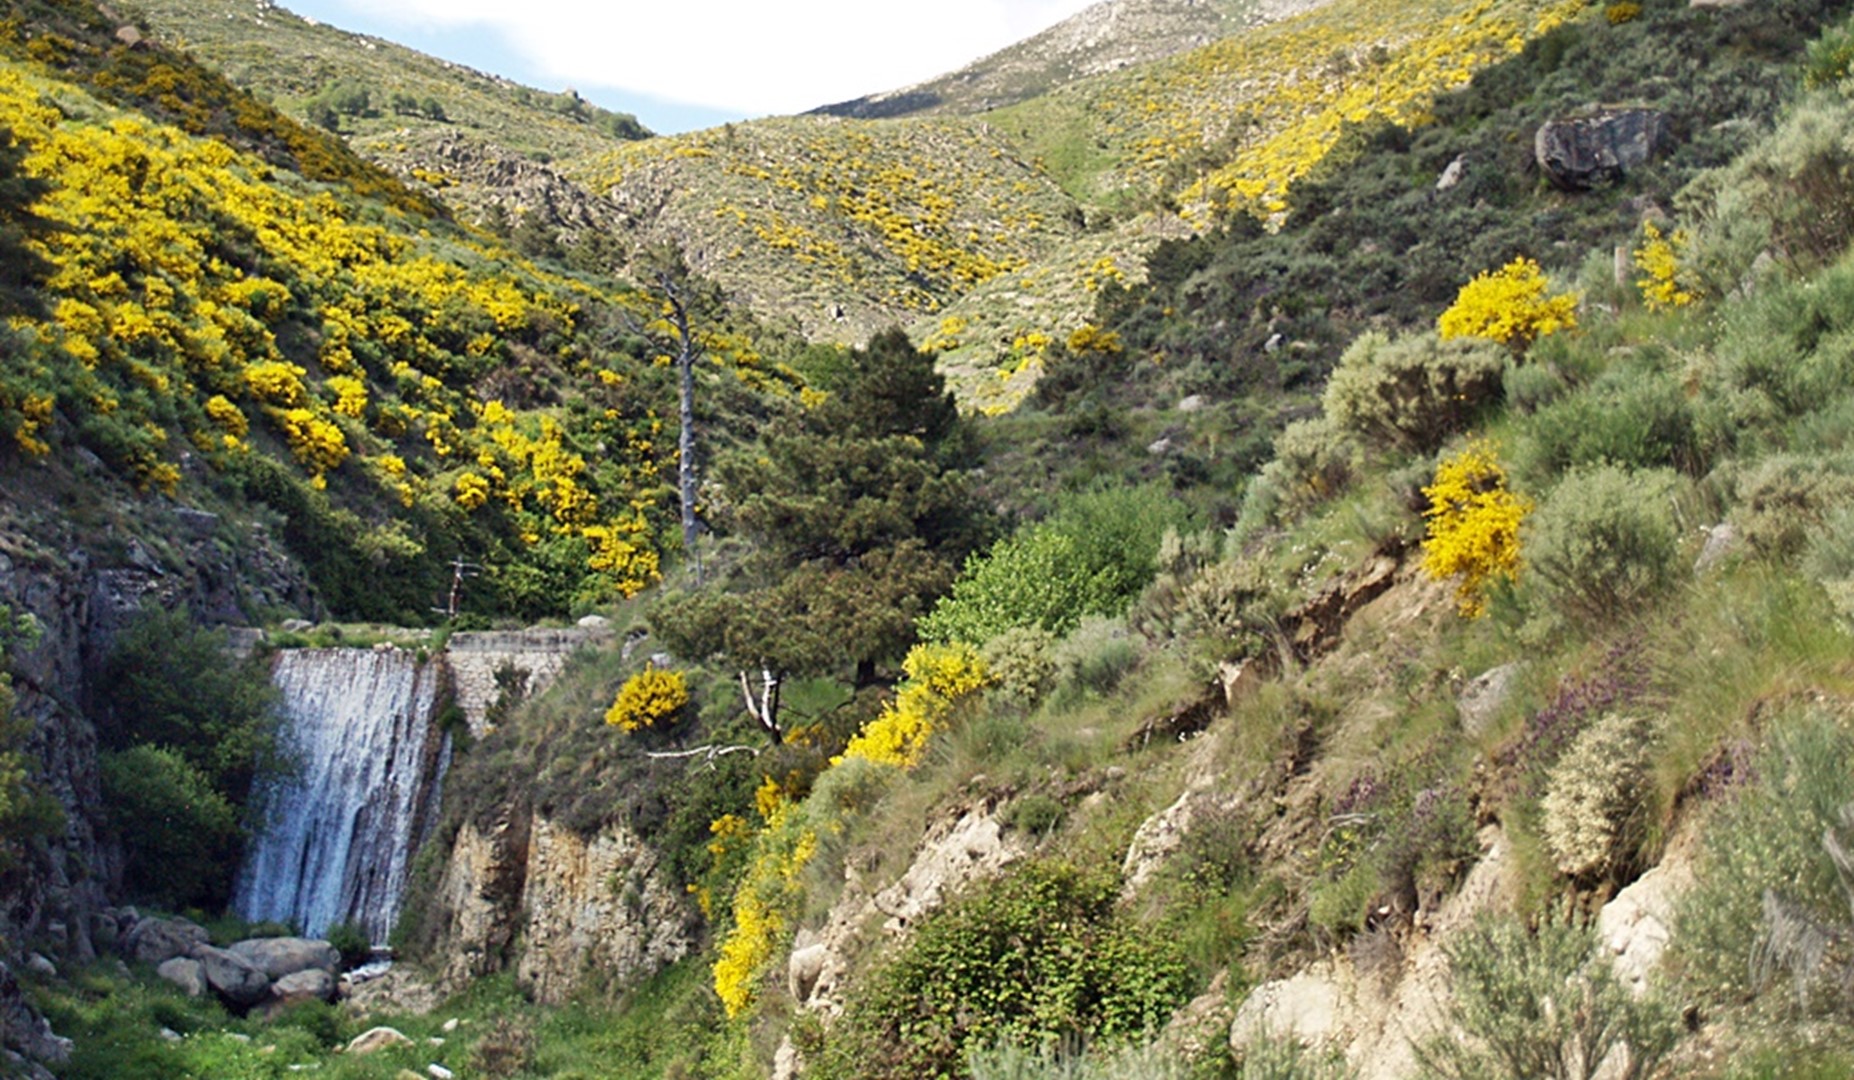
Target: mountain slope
{"points": [[1109, 36]]}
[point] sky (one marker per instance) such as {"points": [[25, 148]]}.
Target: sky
{"points": [[686, 64]]}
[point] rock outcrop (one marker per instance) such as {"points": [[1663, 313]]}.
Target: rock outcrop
{"points": [[578, 903], [1601, 147]]}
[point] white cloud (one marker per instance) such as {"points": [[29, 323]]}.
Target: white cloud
{"points": [[751, 57]]}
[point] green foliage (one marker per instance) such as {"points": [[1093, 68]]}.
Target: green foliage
{"points": [[1787, 350], [1093, 659], [1765, 871], [1211, 608], [172, 683], [1013, 1061], [1783, 502], [1091, 557], [1314, 461], [1604, 542], [1412, 393], [352, 942], [27, 811], [1830, 57], [1036, 813], [180, 835], [1544, 1003], [1033, 956], [21, 268], [1630, 415]]}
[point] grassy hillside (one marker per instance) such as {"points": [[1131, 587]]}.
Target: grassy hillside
{"points": [[220, 304], [298, 64]]}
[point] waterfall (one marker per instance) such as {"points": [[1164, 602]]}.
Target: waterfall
{"points": [[340, 831]]}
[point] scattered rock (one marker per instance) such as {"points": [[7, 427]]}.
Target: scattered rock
{"points": [[1635, 926], [398, 991], [278, 957], [296, 626], [439, 1072], [1601, 147], [1722, 541], [170, 1035], [1453, 173], [234, 978], [1193, 403], [312, 984], [1305, 1007], [1484, 695], [23, 1029], [594, 622], [804, 968], [156, 940], [451, 1025], [41, 967], [130, 36], [376, 1039], [188, 974]]}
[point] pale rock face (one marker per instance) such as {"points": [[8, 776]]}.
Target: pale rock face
{"points": [[280, 957], [959, 848], [374, 1040], [1635, 926], [189, 975], [599, 904], [1306, 1007], [577, 903], [1160, 835]]}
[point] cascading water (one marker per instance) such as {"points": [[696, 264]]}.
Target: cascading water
{"points": [[341, 830]]}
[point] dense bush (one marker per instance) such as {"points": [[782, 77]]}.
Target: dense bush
{"points": [[1784, 501], [1628, 416], [1604, 542], [1034, 956], [1594, 797], [1765, 876], [180, 836], [1091, 557], [1314, 461], [1544, 1005], [1413, 392]]}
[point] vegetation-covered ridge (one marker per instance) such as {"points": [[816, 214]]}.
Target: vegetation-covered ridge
{"points": [[403, 392]]}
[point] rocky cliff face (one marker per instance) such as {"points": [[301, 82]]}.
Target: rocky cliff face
{"points": [[82, 585], [530, 659], [579, 904]]}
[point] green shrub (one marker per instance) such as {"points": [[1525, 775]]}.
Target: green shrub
{"points": [[1531, 387], [1094, 657], [1214, 609], [1035, 813], [1764, 868], [1544, 1004], [1029, 958], [1020, 660], [1786, 351], [1412, 393], [1783, 502], [180, 837], [1830, 58], [1629, 416], [1058, 1061], [1603, 542], [1791, 195], [1091, 557], [1593, 805], [352, 942], [1314, 461]]}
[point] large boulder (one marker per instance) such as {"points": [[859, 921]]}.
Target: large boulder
{"points": [[155, 941], [278, 957], [1599, 147], [232, 977], [186, 973], [312, 984]]}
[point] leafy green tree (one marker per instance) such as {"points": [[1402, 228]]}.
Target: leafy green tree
{"points": [[180, 835], [856, 509], [172, 684]]}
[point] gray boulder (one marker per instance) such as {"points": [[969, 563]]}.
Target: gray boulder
{"points": [[277, 957], [1600, 147], [234, 978], [312, 984], [189, 975], [155, 941]]}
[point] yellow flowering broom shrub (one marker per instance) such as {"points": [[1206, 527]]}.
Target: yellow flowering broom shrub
{"points": [[1659, 261], [939, 677], [1473, 525], [647, 699], [1510, 306]]}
